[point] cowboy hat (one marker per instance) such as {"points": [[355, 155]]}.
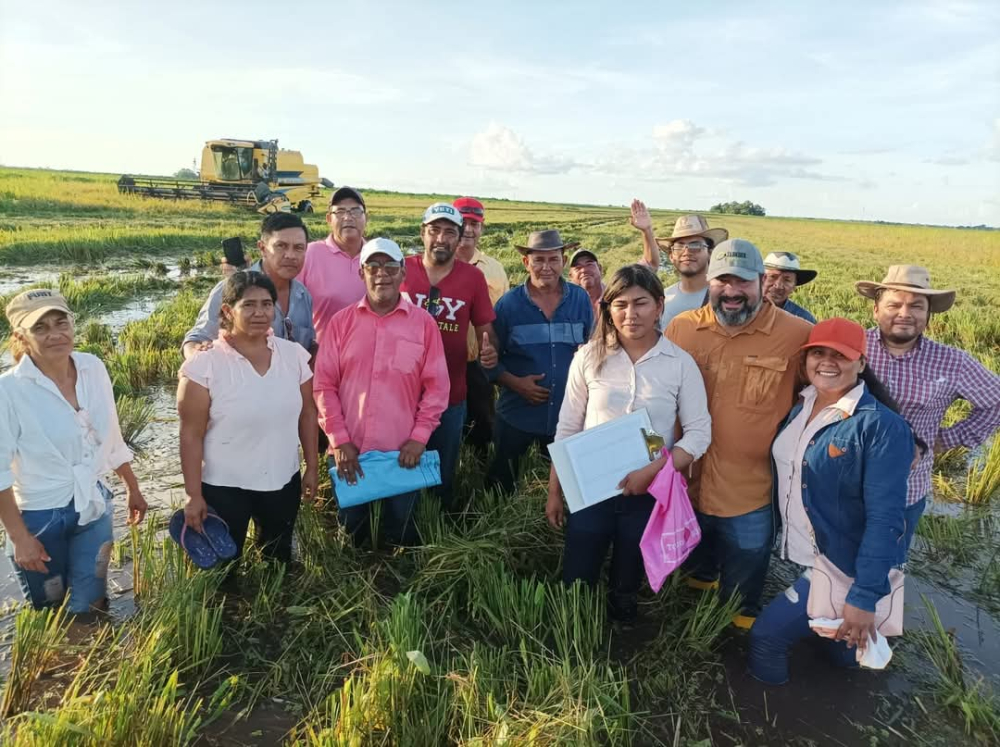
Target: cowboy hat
{"points": [[788, 262], [912, 278], [688, 226], [545, 241]]}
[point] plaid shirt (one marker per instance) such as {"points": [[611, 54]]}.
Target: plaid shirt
{"points": [[925, 382]]}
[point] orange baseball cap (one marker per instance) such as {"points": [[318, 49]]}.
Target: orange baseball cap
{"points": [[843, 335]]}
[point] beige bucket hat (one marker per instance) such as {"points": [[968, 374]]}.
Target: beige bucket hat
{"points": [[688, 226], [912, 278]]}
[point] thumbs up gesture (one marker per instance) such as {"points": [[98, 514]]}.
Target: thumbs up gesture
{"points": [[488, 356]]}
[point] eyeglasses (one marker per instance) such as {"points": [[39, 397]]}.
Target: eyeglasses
{"points": [[434, 301], [391, 268], [354, 212], [472, 211], [694, 246]]}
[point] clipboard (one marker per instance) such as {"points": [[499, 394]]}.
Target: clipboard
{"points": [[590, 464]]}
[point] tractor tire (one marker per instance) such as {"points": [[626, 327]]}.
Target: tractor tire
{"points": [[305, 207]]}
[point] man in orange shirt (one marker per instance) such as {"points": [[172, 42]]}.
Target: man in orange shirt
{"points": [[749, 355]]}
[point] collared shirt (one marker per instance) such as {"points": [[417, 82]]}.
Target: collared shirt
{"points": [[528, 343], [751, 376], [665, 381], [925, 382], [50, 453], [381, 380], [252, 441], [333, 278], [296, 325], [795, 310], [789, 448], [496, 282]]}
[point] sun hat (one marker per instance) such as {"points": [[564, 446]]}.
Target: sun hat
{"points": [[912, 278], [442, 211], [470, 208], [582, 254], [545, 241], [788, 262], [345, 193], [27, 308], [736, 257], [381, 246], [688, 226], [843, 335]]}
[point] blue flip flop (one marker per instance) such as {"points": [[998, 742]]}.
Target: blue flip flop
{"points": [[195, 544], [216, 531]]}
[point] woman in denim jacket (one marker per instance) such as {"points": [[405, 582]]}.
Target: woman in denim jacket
{"points": [[841, 461]]}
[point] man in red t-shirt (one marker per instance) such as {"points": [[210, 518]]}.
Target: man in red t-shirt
{"points": [[456, 295]]}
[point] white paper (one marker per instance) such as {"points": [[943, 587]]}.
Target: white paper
{"points": [[590, 464]]}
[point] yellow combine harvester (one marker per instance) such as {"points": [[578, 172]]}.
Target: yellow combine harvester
{"points": [[255, 173]]}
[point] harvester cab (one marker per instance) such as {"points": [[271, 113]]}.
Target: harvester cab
{"points": [[256, 173]]}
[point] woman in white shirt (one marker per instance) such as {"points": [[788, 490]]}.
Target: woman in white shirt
{"points": [[59, 436], [628, 365], [245, 405]]}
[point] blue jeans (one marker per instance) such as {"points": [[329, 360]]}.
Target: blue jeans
{"points": [[511, 444], [618, 522], [447, 441], [782, 623], [911, 518], [396, 518], [79, 558], [737, 551]]}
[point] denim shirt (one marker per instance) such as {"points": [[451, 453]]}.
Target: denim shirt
{"points": [[795, 310], [854, 490], [530, 343], [299, 316]]}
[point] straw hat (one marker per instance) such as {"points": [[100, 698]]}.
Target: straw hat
{"points": [[688, 226], [788, 262], [912, 278]]}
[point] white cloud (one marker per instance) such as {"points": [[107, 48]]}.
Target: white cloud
{"points": [[992, 150], [499, 148]]}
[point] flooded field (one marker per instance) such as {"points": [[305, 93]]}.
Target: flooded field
{"points": [[469, 639]]}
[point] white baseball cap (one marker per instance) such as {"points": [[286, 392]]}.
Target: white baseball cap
{"points": [[442, 211], [387, 247]]}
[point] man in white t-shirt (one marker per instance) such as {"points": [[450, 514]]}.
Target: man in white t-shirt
{"points": [[689, 247]]}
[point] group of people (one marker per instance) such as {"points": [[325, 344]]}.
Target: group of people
{"points": [[824, 432]]}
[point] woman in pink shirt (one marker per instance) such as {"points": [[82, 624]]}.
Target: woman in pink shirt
{"points": [[245, 405]]}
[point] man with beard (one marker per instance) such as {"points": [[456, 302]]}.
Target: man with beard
{"points": [[926, 377], [689, 247], [585, 270], [539, 327], [332, 271], [456, 295], [381, 385], [782, 275], [749, 355], [282, 245], [480, 400]]}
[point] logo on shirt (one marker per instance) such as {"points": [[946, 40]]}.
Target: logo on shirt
{"points": [[446, 309]]}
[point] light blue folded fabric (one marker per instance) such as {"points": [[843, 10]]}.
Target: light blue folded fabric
{"points": [[385, 478]]}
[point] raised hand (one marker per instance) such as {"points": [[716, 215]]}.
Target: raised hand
{"points": [[640, 216]]}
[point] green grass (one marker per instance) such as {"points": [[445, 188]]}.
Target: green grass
{"points": [[471, 638]]}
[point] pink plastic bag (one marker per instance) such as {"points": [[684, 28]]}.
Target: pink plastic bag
{"points": [[673, 531]]}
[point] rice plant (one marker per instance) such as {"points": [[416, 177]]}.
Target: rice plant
{"points": [[983, 475], [37, 635], [134, 416]]}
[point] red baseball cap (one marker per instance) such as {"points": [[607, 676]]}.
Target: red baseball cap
{"points": [[470, 208], [843, 335]]}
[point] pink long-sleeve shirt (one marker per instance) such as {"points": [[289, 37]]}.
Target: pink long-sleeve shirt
{"points": [[381, 380]]}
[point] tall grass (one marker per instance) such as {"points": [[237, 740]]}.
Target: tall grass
{"points": [[983, 475]]}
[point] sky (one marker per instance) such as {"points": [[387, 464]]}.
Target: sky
{"points": [[855, 110]]}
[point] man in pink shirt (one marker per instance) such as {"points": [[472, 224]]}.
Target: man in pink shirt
{"points": [[331, 272], [381, 385], [456, 295]]}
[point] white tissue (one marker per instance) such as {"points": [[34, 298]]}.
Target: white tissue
{"points": [[877, 653]]}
